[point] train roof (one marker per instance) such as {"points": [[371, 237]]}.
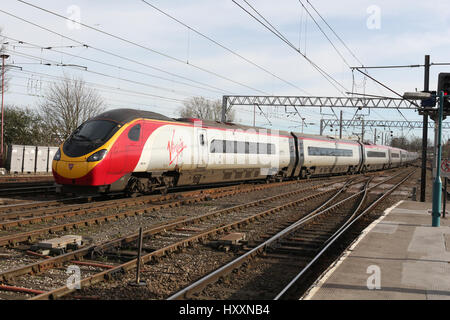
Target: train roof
{"points": [[325, 138], [125, 115], [228, 125]]}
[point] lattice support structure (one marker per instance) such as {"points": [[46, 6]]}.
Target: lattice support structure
{"points": [[310, 101]]}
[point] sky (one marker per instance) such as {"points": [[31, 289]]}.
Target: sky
{"points": [[140, 58]]}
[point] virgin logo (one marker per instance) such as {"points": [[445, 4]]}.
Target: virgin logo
{"points": [[175, 149], [70, 166]]}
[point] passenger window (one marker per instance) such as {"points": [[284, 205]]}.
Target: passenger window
{"points": [[135, 133]]}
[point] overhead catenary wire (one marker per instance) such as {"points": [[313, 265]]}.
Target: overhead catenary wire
{"points": [[323, 32], [223, 46], [352, 53], [112, 53], [106, 99], [35, 46], [121, 68], [277, 33], [99, 85], [144, 47], [334, 32], [56, 63], [393, 91]]}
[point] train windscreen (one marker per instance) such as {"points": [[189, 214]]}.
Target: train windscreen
{"points": [[89, 136]]}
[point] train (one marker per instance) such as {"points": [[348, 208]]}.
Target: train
{"points": [[140, 152]]}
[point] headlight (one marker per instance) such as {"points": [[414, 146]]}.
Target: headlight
{"points": [[99, 155], [57, 155]]}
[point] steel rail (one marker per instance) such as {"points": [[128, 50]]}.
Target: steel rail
{"points": [[26, 190], [336, 236], [201, 195], [182, 221], [55, 293], [215, 275], [201, 283]]}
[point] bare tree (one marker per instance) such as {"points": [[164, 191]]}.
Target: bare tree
{"points": [[69, 103], [202, 108], [400, 142]]}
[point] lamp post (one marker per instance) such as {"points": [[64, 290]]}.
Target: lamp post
{"points": [[3, 56]]}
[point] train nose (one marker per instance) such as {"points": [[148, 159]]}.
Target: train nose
{"points": [[71, 169]]}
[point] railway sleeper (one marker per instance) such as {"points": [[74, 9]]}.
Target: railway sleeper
{"points": [[282, 257], [315, 239], [301, 244], [308, 232], [303, 251], [287, 261]]}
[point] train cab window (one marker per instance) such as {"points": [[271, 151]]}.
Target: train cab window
{"points": [[135, 133], [89, 136], [94, 130]]}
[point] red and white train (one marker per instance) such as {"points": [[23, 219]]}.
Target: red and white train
{"points": [[140, 151]]}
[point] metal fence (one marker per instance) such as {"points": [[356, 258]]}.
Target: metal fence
{"points": [[30, 159]]}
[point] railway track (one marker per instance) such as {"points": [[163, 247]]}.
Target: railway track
{"points": [[27, 187], [42, 188], [12, 223], [120, 254], [288, 254], [5, 180], [116, 247]]}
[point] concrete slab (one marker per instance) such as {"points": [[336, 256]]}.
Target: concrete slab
{"points": [[399, 256], [232, 238], [60, 242]]}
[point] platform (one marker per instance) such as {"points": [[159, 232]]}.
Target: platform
{"points": [[398, 256]]}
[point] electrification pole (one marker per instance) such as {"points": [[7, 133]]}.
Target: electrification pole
{"points": [[3, 56], [437, 184], [423, 178], [362, 130]]}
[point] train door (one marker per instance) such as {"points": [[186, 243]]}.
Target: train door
{"points": [[202, 148], [294, 153], [389, 159], [362, 157]]}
